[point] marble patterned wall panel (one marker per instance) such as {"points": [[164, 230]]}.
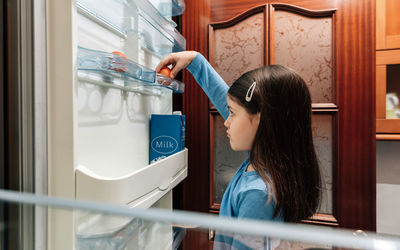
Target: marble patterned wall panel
{"points": [[239, 48], [226, 161], [305, 45], [322, 135]]}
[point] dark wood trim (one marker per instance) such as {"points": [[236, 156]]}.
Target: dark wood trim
{"points": [[266, 35], [271, 35], [212, 157], [335, 83], [215, 206], [237, 19], [212, 204], [355, 54], [303, 11], [195, 22]]}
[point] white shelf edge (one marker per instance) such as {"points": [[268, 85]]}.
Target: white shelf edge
{"points": [[149, 199], [138, 189]]}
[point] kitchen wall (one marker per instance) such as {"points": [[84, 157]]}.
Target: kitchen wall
{"points": [[388, 187]]}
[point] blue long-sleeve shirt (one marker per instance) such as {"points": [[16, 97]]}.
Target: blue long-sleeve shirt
{"points": [[246, 195]]}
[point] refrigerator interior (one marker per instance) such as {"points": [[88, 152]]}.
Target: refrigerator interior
{"points": [[116, 46]]}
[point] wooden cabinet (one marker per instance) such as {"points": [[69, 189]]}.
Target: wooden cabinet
{"points": [[387, 70], [350, 124], [387, 24]]}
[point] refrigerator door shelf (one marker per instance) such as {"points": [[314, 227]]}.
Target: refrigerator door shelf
{"points": [[114, 65], [139, 189], [113, 71], [135, 16], [175, 85], [169, 8], [99, 79]]}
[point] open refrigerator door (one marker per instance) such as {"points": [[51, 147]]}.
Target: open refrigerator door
{"points": [[103, 90]]}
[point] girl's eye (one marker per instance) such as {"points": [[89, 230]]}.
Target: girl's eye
{"points": [[230, 112]]}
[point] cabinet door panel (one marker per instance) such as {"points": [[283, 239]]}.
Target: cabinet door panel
{"points": [[236, 46], [305, 45]]}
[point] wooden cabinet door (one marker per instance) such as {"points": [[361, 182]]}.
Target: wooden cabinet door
{"points": [[244, 40], [304, 41], [387, 24], [294, 37], [343, 104]]}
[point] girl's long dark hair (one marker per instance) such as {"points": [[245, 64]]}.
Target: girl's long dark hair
{"points": [[283, 152]]}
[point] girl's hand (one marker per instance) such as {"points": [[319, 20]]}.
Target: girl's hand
{"points": [[179, 61]]}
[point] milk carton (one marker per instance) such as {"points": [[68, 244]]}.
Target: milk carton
{"points": [[167, 135]]}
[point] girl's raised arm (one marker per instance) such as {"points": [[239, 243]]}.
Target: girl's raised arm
{"points": [[205, 75]]}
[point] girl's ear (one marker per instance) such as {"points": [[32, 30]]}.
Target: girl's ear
{"points": [[256, 119]]}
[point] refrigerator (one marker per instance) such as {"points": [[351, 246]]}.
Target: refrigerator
{"points": [[102, 90]]}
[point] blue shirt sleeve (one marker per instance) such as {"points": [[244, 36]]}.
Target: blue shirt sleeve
{"points": [[211, 82], [252, 204]]}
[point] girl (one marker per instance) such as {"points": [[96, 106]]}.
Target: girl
{"points": [[267, 112]]}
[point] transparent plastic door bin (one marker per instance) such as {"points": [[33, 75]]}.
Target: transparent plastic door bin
{"points": [[116, 69], [169, 8], [110, 64], [123, 18]]}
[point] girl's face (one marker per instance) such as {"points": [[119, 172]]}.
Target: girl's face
{"points": [[241, 126]]}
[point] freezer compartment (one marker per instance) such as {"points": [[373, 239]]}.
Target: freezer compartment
{"points": [[127, 21], [141, 188]]}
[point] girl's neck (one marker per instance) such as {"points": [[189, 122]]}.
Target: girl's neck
{"points": [[250, 168]]}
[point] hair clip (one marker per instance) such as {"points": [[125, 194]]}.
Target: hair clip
{"points": [[251, 88]]}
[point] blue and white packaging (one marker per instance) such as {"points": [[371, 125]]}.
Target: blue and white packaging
{"points": [[167, 135]]}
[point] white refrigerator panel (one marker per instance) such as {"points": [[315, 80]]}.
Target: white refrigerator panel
{"points": [[98, 131]]}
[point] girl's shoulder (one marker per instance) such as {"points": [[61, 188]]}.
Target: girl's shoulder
{"points": [[252, 181]]}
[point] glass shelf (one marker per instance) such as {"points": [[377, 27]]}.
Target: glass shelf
{"points": [[169, 8], [122, 18], [115, 71]]}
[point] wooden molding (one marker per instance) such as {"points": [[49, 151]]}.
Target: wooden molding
{"points": [[381, 91], [327, 106], [393, 41], [388, 137], [323, 220], [390, 126], [303, 11], [212, 113], [237, 19], [381, 24], [388, 57]]}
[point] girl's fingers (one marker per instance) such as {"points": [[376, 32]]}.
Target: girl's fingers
{"points": [[179, 61], [178, 67], [170, 59]]}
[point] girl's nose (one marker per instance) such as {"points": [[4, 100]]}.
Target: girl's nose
{"points": [[226, 123]]}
